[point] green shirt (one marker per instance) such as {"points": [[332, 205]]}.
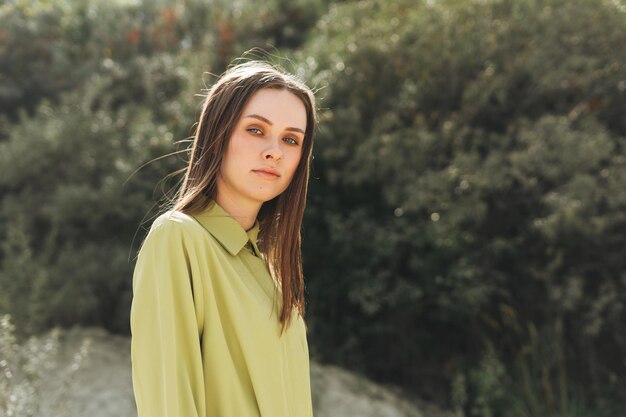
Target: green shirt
{"points": [[205, 328]]}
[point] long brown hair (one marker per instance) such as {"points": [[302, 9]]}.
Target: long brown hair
{"points": [[280, 219]]}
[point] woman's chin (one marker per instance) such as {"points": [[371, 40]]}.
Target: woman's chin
{"points": [[266, 195]]}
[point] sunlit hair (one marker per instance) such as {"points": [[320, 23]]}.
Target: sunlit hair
{"points": [[280, 219]]}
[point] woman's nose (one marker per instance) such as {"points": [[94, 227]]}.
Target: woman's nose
{"points": [[273, 151]]}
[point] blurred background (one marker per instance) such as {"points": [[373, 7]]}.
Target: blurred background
{"points": [[465, 235]]}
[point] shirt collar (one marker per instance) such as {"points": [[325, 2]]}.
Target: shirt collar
{"points": [[227, 230]]}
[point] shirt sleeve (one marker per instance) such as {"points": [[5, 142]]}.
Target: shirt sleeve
{"points": [[166, 358]]}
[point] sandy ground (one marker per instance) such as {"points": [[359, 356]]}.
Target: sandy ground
{"points": [[102, 387]]}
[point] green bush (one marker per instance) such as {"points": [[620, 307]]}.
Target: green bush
{"points": [[54, 46], [72, 202], [468, 173]]}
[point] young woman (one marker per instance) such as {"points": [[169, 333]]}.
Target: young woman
{"points": [[217, 313]]}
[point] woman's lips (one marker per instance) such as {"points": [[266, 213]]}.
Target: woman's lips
{"points": [[267, 173]]}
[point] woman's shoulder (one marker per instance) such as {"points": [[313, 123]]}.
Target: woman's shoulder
{"points": [[175, 218], [174, 222]]}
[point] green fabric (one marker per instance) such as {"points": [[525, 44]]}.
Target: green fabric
{"points": [[205, 327]]}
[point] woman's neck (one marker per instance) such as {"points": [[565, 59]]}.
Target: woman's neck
{"points": [[244, 212]]}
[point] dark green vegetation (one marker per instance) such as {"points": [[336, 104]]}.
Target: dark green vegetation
{"points": [[466, 230]]}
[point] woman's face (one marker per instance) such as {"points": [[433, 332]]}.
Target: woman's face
{"points": [[264, 149]]}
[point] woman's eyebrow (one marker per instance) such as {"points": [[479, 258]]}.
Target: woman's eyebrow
{"points": [[266, 120]]}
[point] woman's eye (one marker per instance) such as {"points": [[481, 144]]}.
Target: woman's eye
{"points": [[255, 131], [290, 140]]}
